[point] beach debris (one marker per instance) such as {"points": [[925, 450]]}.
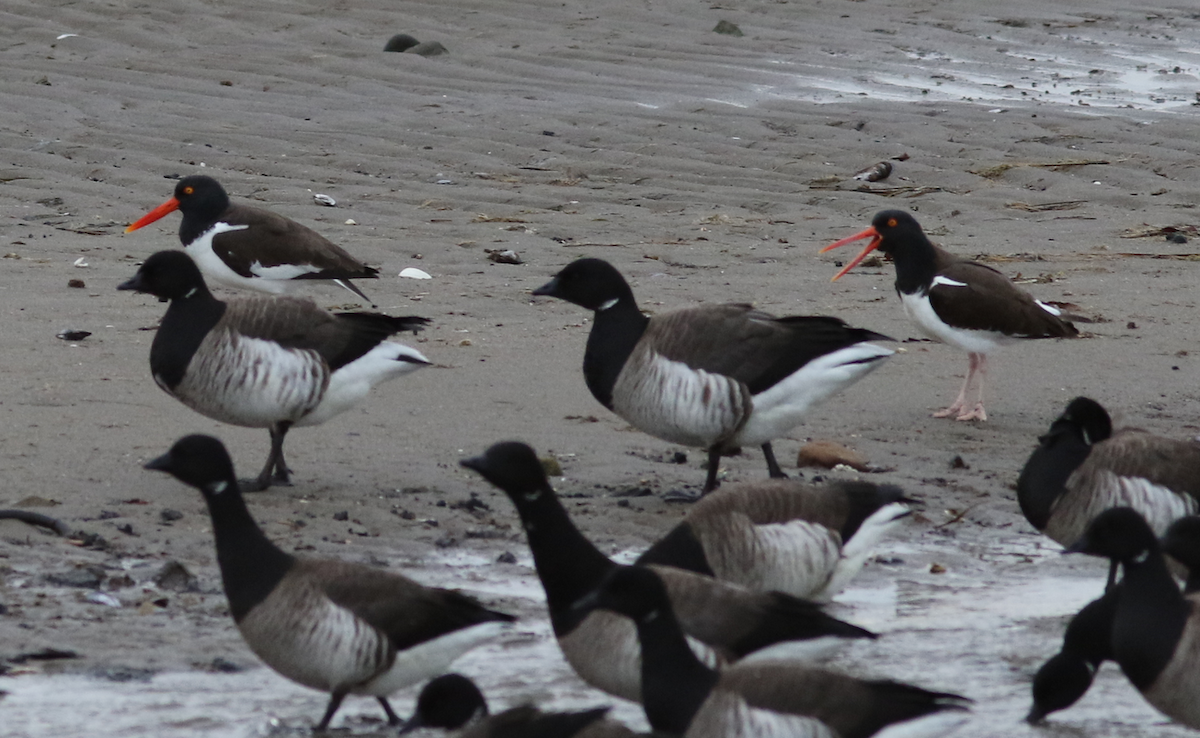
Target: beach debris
{"points": [[103, 598], [44, 521], [1149, 231], [727, 28], [875, 172], [81, 262], [1177, 238], [72, 334], [61, 36], [400, 42], [87, 577], [325, 200], [551, 466], [175, 577], [1045, 206], [76, 284], [504, 256], [995, 171], [414, 273], [350, 221], [827, 454]]}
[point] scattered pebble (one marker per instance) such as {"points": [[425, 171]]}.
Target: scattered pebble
{"points": [[77, 284], [342, 516], [1177, 238], [727, 28], [829, 454], [86, 577], [937, 569], [175, 577], [170, 516], [225, 666], [958, 463], [429, 48], [508, 557]]}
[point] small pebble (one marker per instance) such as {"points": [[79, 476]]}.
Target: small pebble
{"points": [[72, 334], [1177, 238], [508, 557], [342, 516], [76, 284], [551, 466], [400, 42], [170, 516], [727, 28], [937, 569]]}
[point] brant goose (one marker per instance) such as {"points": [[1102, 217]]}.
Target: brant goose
{"points": [[1081, 467], [330, 625], [1067, 675], [265, 362], [716, 377], [1182, 543], [684, 697], [250, 248], [783, 534], [1156, 628], [963, 303], [453, 701], [602, 647]]}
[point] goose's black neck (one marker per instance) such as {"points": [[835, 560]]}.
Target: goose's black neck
{"points": [[568, 564], [251, 565], [187, 321], [674, 682], [1150, 618], [1044, 477], [616, 329]]}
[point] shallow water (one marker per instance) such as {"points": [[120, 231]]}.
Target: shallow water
{"points": [[1000, 619]]}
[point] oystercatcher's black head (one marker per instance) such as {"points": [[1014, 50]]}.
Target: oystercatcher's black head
{"points": [[168, 275], [593, 284], [197, 196], [199, 461], [890, 231]]}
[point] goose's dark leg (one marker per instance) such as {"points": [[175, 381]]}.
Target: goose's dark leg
{"points": [[772, 465], [714, 463], [282, 471], [335, 701], [393, 718]]}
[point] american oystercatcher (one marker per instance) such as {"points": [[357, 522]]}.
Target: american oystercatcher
{"points": [[716, 377], [250, 248], [266, 362], [963, 303]]}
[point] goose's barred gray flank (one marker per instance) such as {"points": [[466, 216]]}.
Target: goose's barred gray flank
{"points": [[684, 697], [330, 625], [968, 305], [783, 534], [273, 363], [250, 248], [727, 621], [716, 377], [453, 702]]}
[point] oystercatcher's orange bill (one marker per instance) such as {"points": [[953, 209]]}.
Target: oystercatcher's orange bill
{"points": [[870, 233], [166, 208]]}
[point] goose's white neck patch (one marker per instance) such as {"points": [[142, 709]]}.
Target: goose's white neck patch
{"points": [[946, 281], [607, 304], [190, 292]]}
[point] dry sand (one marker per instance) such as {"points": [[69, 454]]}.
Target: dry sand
{"points": [[708, 168]]}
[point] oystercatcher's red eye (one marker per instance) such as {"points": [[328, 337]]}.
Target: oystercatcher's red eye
{"points": [[891, 222], [189, 190]]}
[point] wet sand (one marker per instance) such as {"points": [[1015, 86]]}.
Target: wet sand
{"points": [[708, 168]]}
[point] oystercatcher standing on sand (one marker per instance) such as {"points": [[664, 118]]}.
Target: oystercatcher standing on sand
{"points": [[963, 303], [249, 248]]}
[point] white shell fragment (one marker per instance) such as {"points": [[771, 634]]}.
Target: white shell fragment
{"points": [[414, 273], [103, 598], [325, 200], [81, 262], [351, 221], [61, 36]]}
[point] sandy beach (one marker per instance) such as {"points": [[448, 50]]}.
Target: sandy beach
{"points": [[1055, 141]]}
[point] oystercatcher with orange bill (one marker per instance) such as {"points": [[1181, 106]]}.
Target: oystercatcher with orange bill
{"points": [[963, 303], [249, 248]]}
